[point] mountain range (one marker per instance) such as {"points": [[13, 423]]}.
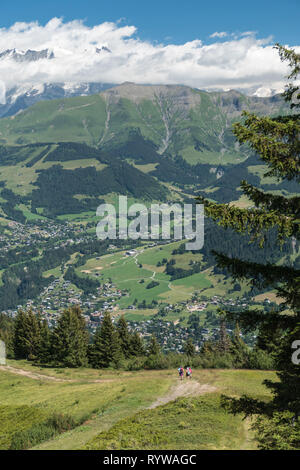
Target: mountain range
{"points": [[26, 56], [21, 97], [62, 156], [17, 98], [177, 119]]}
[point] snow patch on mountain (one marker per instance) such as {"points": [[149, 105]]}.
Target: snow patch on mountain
{"points": [[59, 52], [21, 97], [26, 56], [266, 92]]}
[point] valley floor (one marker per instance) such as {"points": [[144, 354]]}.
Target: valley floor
{"points": [[128, 410]]}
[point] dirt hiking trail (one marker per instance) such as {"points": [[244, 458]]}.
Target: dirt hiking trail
{"points": [[184, 389], [181, 389], [32, 375], [36, 376]]}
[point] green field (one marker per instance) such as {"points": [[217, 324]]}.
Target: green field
{"points": [[112, 407], [125, 272]]}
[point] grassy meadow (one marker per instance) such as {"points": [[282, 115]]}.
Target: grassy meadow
{"points": [[112, 411], [134, 273]]}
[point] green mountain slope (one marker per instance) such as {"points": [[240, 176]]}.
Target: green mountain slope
{"points": [[65, 156], [67, 178], [178, 120]]}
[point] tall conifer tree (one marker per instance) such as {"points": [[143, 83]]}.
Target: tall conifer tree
{"points": [[154, 348], [277, 141], [189, 348], [106, 350], [224, 343], [238, 348], [125, 337], [70, 339], [45, 349], [136, 345], [27, 335], [7, 334]]}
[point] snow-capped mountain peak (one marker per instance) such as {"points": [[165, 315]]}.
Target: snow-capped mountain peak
{"points": [[266, 92], [21, 97], [26, 56]]}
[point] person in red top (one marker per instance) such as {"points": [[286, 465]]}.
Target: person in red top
{"points": [[188, 373]]}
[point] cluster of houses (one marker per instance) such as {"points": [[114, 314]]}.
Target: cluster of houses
{"points": [[17, 234], [61, 293]]}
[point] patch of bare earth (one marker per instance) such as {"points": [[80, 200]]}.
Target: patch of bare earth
{"points": [[32, 375], [36, 376], [184, 389]]}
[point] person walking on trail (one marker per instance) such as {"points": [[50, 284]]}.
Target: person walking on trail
{"points": [[180, 372], [188, 373]]}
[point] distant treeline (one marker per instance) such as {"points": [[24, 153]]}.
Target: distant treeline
{"points": [[114, 346]]}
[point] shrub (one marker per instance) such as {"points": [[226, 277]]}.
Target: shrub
{"points": [[39, 432], [61, 422], [17, 419], [157, 361], [281, 432], [30, 437], [259, 359], [135, 363]]}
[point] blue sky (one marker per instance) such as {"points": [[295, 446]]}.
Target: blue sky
{"points": [[170, 21], [210, 45]]}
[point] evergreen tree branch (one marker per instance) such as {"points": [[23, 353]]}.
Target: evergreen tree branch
{"points": [[271, 202], [291, 57], [253, 221], [285, 279], [251, 320], [246, 405], [274, 141], [269, 273]]}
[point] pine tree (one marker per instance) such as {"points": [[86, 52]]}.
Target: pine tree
{"points": [[276, 141], [7, 334], [125, 336], [189, 348], [207, 348], [70, 339], [27, 335], [106, 350], [268, 339], [154, 348], [45, 349], [136, 345], [224, 343], [238, 348]]}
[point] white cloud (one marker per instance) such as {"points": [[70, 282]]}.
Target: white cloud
{"points": [[243, 61], [222, 34]]}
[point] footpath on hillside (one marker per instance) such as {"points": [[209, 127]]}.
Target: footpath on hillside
{"points": [[185, 388], [36, 376], [31, 375]]}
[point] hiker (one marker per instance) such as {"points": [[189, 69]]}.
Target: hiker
{"points": [[180, 372], [188, 373]]}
